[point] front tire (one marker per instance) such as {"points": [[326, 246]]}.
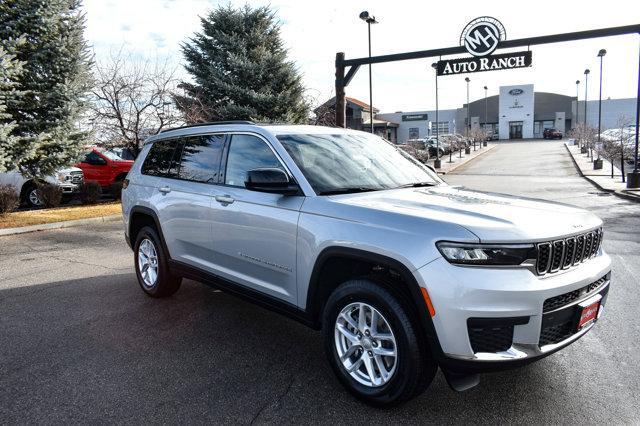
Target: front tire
{"points": [[31, 196], [151, 264], [372, 344]]}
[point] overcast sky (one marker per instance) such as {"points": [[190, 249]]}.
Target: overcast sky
{"points": [[315, 31]]}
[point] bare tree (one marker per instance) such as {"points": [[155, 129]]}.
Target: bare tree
{"points": [[132, 100]]}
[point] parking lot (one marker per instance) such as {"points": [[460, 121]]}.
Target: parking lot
{"points": [[79, 341]]}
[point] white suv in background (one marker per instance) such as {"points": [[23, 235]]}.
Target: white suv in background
{"points": [[348, 234], [68, 179]]}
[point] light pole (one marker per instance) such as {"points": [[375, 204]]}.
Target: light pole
{"points": [[485, 115], [577, 104], [468, 115], [369, 20], [586, 83], [633, 179], [598, 163], [437, 163]]}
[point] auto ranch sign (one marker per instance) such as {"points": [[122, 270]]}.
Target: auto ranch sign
{"points": [[481, 38]]}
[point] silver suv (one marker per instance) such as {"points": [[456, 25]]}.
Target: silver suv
{"points": [[348, 234]]}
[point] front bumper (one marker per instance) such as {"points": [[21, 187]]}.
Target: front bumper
{"points": [[464, 297], [69, 188]]}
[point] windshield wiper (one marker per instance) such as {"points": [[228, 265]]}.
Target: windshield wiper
{"points": [[417, 185], [347, 190]]}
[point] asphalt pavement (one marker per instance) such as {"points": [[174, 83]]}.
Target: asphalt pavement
{"points": [[81, 343]]}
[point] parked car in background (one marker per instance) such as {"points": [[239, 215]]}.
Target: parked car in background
{"points": [[68, 180], [436, 147], [104, 167], [551, 134]]}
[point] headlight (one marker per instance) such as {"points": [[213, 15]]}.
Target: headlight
{"points": [[486, 254], [61, 176]]}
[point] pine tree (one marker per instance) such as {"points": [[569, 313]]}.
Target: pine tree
{"points": [[240, 70], [10, 69], [53, 82]]}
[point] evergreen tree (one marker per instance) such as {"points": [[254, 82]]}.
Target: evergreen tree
{"points": [[10, 69], [54, 81], [240, 70]]}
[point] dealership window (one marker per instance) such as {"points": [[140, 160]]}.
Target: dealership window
{"points": [[414, 133], [442, 127]]}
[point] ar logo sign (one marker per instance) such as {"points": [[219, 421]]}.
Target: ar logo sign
{"points": [[481, 36]]}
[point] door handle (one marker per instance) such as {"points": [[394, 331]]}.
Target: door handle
{"points": [[224, 199], [164, 189]]}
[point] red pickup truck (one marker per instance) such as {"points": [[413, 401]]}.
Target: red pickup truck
{"points": [[105, 167]]}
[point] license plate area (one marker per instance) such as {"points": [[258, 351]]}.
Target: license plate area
{"points": [[588, 312]]}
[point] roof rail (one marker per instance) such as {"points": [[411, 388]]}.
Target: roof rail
{"points": [[212, 123]]}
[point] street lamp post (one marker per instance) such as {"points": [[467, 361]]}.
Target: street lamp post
{"points": [[597, 164], [369, 20], [633, 179], [586, 83], [485, 115], [577, 103], [437, 163], [468, 115]]}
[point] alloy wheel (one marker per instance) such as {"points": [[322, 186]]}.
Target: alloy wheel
{"points": [[148, 262], [34, 197], [365, 344]]}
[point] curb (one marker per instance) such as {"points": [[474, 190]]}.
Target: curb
{"points": [[620, 193], [487, 149], [59, 225]]}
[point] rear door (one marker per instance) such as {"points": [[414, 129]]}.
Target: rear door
{"points": [[185, 196], [254, 233]]}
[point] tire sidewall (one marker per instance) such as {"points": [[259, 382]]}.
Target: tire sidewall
{"points": [[150, 234], [407, 355]]}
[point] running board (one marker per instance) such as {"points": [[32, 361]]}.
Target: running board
{"points": [[461, 382]]}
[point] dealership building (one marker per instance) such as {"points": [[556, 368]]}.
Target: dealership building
{"points": [[517, 112]]}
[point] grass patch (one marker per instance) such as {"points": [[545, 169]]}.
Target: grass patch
{"points": [[60, 214]]}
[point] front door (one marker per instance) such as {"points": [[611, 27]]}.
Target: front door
{"points": [[515, 130], [254, 233]]}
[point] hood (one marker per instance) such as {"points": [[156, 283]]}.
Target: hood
{"points": [[68, 170], [491, 217]]}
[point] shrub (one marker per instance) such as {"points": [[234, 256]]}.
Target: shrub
{"points": [[9, 200], [116, 190], [50, 195], [90, 192]]}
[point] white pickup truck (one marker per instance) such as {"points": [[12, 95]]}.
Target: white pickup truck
{"points": [[68, 179]]}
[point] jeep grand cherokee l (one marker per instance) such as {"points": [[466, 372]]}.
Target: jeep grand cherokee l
{"points": [[346, 233]]}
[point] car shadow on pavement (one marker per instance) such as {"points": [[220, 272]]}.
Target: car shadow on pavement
{"points": [[98, 349]]}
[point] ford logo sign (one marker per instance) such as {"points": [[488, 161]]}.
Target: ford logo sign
{"points": [[516, 92]]}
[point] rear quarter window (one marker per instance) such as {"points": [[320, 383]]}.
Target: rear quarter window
{"points": [[159, 158]]}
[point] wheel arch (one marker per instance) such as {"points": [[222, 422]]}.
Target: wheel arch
{"points": [[333, 258], [141, 216]]}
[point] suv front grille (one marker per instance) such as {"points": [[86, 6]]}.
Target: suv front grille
{"points": [[76, 177], [562, 254], [557, 302], [556, 333]]}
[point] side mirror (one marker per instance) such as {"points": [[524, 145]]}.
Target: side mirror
{"points": [[271, 180]]}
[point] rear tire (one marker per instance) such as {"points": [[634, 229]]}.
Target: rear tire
{"points": [[408, 373], [31, 196], [152, 266]]}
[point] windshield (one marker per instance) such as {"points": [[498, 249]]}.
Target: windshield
{"points": [[110, 155], [351, 163]]}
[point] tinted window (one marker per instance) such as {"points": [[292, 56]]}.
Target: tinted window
{"points": [[93, 157], [247, 152], [201, 158], [159, 158]]}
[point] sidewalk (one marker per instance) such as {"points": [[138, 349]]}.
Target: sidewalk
{"points": [[456, 161], [602, 178]]}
